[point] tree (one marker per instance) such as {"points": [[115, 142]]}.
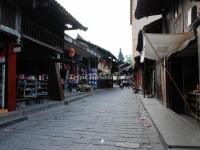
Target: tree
{"points": [[128, 59], [120, 56]]}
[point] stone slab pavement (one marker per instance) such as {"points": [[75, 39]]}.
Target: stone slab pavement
{"points": [[110, 120], [20, 114]]}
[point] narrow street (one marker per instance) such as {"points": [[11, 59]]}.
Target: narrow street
{"points": [[111, 120]]}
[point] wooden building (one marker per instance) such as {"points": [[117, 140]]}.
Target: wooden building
{"points": [[32, 34], [105, 63], [175, 71], [81, 65]]}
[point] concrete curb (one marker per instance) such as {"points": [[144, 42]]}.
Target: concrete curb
{"points": [[19, 116], [160, 135], [42, 108], [179, 139], [9, 122]]}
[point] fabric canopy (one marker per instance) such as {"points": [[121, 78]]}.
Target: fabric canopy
{"points": [[166, 44]]}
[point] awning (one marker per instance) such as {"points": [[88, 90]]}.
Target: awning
{"points": [[166, 44], [128, 68], [153, 27]]}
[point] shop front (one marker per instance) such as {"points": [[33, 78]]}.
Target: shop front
{"points": [[39, 62], [35, 66], [183, 67], [176, 71], [31, 45], [82, 66]]}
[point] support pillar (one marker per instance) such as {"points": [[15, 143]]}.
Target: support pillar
{"points": [[198, 35], [89, 63], [55, 89], [11, 78]]}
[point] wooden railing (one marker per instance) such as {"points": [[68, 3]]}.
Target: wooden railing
{"points": [[8, 14], [41, 34]]}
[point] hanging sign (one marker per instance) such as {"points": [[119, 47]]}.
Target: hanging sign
{"points": [[71, 52]]}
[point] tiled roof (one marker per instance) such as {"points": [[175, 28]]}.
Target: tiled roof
{"points": [[68, 16]]}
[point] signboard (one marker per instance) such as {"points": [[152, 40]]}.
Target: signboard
{"points": [[16, 49]]}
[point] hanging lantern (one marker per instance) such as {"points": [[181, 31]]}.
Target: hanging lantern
{"points": [[71, 52]]}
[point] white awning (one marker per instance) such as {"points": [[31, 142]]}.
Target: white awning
{"points": [[166, 44], [124, 69], [127, 68]]}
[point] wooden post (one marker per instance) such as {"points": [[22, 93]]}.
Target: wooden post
{"points": [[89, 63], [11, 78], [54, 83], [144, 85], [198, 34]]}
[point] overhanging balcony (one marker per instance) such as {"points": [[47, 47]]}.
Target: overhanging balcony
{"points": [[9, 19], [40, 35]]}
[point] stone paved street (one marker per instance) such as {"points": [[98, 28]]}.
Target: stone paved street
{"points": [[110, 120]]}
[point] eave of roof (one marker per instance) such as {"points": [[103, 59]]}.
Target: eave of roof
{"points": [[71, 40], [102, 49], [147, 8], [54, 7], [66, 14]]}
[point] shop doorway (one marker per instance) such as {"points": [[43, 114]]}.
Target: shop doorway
{"points": [[184, 71], [176, 102]]}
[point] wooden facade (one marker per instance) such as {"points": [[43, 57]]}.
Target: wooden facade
{"points": [[177, 17], [32, 34]]}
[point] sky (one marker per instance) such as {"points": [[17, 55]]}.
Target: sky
{"points": [[108, 23]]}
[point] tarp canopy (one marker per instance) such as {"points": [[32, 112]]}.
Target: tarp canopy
{"points": [[166, 44], [153, 27], [128, 68]]}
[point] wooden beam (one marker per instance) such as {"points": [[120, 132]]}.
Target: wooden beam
{"points": [[42, 43], [9, 31]]}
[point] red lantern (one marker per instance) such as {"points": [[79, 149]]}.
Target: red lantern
{"points": [[71, 52]]}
